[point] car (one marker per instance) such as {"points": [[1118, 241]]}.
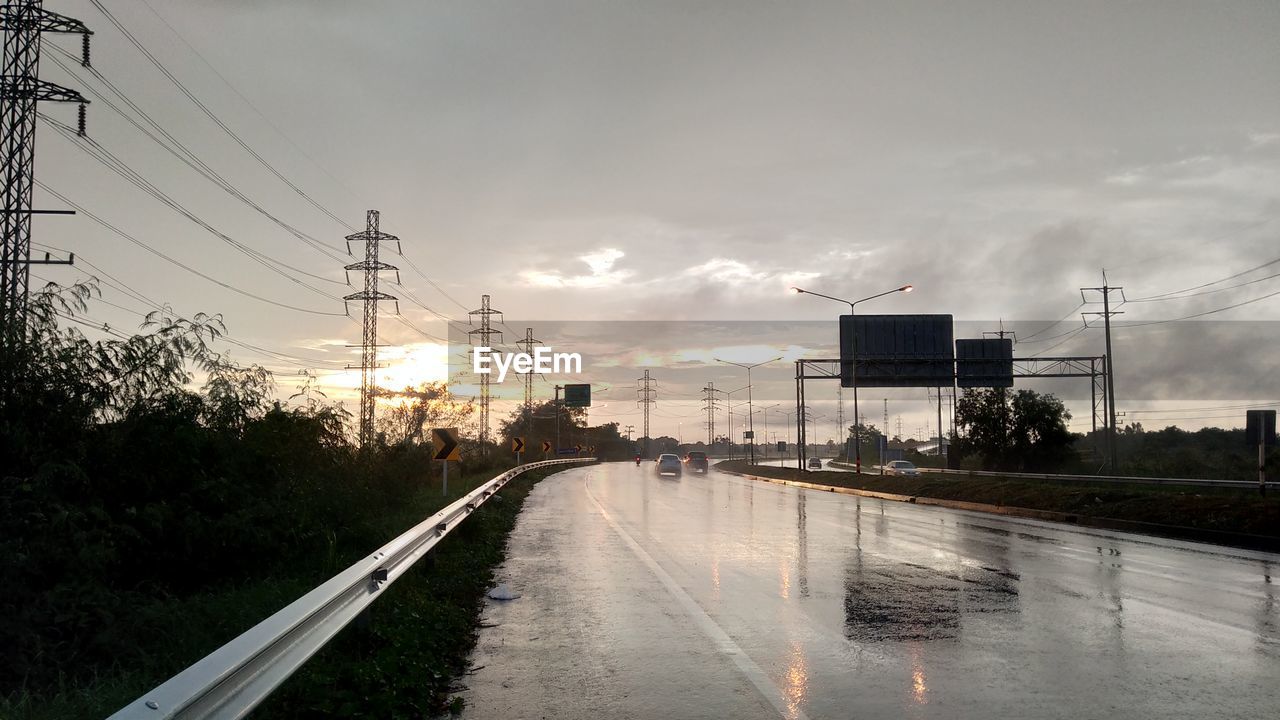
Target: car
{"points": [[669, 464], [902, 467], [697, 461], [815, 463]]}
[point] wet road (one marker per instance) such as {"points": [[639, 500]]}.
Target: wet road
{"points": [[719, 597]]}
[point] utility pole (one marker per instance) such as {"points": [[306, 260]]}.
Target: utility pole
{"points": [[630, 429], [371, 266], [527, 345], [24, 21], [709, 399], [1106, 314], [485, 332], [1001, 333], [647, 392]]}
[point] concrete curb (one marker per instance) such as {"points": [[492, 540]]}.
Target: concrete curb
{"points": [[1179, 532]]}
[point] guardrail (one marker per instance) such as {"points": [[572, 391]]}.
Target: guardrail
{"points": [[1244, 484], [232, 680]]}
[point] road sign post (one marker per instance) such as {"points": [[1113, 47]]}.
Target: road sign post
{"points": [[517, 447], [546, 448], [445, 442]]}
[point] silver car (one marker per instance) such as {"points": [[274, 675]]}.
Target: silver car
{"points": [[815, 463], [669, 464], [901, 467]]}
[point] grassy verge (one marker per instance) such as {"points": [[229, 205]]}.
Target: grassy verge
{"points": [[396, 661], [1217, 509]]}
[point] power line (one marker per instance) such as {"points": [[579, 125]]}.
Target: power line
{"points": [[109, 160], [1269, 263], [1201, 314], [404, 321], [247, 102], [1027, 338], [1205, 292], [415, 268], [80, 209], [188, 157], [1247, 406], [1190, 417], [212, 116], [123, 287]]}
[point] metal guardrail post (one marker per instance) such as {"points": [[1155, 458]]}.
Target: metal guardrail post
{"points": [[235, 678]]}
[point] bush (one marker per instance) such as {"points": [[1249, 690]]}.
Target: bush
{"points": [[124, 488]]}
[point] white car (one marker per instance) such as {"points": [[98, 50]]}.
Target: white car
{"points": [[901, 467], [669, 464], [815, 463]]}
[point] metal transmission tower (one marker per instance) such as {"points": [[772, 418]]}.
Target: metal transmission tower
{"points": [[527, 345], [710, 400], [647, 391], [485, 332], [1106, 314], [20, 90], [371, 266]]}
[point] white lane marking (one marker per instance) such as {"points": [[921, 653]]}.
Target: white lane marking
{"points": [[718, 636]]}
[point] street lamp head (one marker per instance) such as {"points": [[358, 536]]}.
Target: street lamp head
{"points": [[906, 288], [797, 291]]}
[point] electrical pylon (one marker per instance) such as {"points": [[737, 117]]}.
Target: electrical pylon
{"points": [[710, 400], [24, 21], [485, 332], [527, 345], [648, 395], [844, 431], [371, 266]]}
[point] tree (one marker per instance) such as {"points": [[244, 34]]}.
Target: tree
{"points": [[868, 442], [542, 424], [430, 405], [1024, 430]]}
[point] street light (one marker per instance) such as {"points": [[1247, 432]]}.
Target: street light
{"points": [[750, 418], [857, 440], [814, 418], [729, 408], [765, 412]]}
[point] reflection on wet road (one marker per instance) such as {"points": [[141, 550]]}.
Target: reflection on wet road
{"points": [[718, 597]]}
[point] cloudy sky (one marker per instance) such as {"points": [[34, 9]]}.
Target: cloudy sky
{"points": [[649, 160]]}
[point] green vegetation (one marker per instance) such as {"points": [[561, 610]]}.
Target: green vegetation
{"points": [[1227, 510], [156, 501], [1020, 431], [1211, 453], [570, 429]]}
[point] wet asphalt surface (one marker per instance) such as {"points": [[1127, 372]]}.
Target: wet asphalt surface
{"points": [[719, 597]]}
